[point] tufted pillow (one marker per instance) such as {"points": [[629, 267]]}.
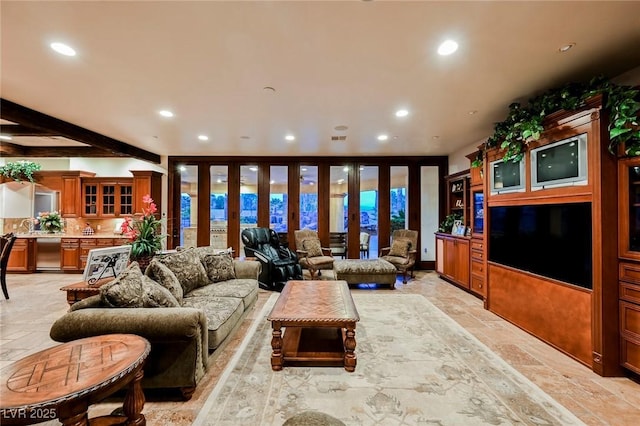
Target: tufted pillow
{"points": [[312, 247], [400, 247], [160, 273], [219, 267], [186, 266], [131, 289]]}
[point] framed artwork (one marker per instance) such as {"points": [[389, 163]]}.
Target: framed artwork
{"points": [[458, 228], [106, 262]]}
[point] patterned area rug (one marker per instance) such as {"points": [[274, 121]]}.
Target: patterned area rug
{"points": [[416, 366]]}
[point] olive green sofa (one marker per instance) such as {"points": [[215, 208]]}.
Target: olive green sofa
{"points": [[186, 304]]}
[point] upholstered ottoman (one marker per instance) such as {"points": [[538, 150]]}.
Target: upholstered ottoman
{"points": [[356, 271]]}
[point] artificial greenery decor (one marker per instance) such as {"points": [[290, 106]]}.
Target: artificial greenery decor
{"points": [[447, 224], [525, 123], [50, 221], [20, 170]]}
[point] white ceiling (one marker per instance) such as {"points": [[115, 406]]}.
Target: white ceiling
{"points": [[332, 63]]}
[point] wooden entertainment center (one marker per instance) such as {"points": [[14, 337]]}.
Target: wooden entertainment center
{"points": [[594, 314]]}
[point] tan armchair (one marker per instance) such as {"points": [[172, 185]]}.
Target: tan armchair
{"points": [[403, 250], [311, 254]]}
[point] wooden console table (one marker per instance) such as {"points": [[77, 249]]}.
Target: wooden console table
{"points": [[61, 382], [81, 290]]}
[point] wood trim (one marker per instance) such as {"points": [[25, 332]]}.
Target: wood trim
{"points": [[36, 120]]}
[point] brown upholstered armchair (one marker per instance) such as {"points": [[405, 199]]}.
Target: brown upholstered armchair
{"points": [[403, 250], [311, 254]]}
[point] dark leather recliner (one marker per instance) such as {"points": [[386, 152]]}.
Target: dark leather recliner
{"points": [[279, 263]]}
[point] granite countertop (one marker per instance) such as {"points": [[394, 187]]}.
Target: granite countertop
{"points": [[69, 235]]}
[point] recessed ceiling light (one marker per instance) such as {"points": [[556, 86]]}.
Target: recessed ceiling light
{"points": [[269, 89], [5, 137], [341, 128], [435, 137], [245, 137], [566, 47], [402, 113], [473, 112], [290, 137], [166, 113], [447, 47], [383, 137], [203, 137], [63, 49]]}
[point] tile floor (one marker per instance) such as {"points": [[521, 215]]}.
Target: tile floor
{"points": [[36, 302]]}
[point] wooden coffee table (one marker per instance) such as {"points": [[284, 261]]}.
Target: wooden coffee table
{"points": [[320, 320], [62, 381]]}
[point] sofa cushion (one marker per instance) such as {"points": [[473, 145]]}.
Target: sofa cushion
{"points": [[132, 289], [206, 250], [223, 314], [312, 247], [187, 267], [245, 289], [400, 247], [160, 273], [219, 267]]}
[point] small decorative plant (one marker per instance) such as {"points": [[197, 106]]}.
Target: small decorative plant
{"points": [[50, 221], [447, 224], [20, 170], [144, 233]]}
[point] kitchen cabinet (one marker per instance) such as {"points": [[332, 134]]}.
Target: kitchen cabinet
{"points": [[23, 256], [106, 198], [69, 254]]}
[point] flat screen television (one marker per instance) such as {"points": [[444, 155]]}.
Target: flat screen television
{"points": [[506, 176], [552, 240], [561, 163]]}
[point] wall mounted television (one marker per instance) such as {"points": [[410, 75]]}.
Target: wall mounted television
{"points": [[552, 240], [561, 163], [506, 176]]}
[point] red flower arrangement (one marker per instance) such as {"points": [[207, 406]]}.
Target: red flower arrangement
{"points": [[144, 233]]}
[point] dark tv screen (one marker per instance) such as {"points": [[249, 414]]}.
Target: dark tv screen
{"points": [[552, 240]]}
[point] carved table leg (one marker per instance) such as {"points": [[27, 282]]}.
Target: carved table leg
{"points": [[276, 345], [349, 348], [134, 402]]}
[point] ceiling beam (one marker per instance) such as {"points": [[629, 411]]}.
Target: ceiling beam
{"points": [[30, 118], [55, 151], [19, 130]]}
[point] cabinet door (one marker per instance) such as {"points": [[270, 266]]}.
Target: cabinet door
{"points": [[22, 257], [461, 274], [629, 209], [86, 245], [107, 199], [69, 255], [90, 199], [125, 202], [439, 255]]}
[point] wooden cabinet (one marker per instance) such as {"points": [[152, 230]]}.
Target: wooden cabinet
{"points": [[23, 256], [477, 284], [69, 254], [629, 262], [458, 196], [452, 259], [146, 182], [107, 198]]}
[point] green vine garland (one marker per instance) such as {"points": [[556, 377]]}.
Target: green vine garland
{"points": [[525, 124], [20, 170]]}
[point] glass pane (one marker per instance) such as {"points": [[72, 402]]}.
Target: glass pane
{"points": [[429, 198], [218, 206], [188, 206], [339, 202], [309, 197], [368, 211], [90, 199], [248, 200], [634, 208], [108, 199], [399, 201], [126, 199], [278, 199]]}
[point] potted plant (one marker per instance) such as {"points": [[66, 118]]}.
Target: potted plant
{"points": [[447, 224], [144, 233], [50, 221], [19, 170]]}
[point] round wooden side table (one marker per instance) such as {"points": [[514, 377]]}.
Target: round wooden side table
{"points": [[61, 382]]}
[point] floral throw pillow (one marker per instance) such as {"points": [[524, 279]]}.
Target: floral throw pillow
{"points": [[312, 247], [400, 247], [161, 274], [186, 266], [219, 267], [132, 289]]}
